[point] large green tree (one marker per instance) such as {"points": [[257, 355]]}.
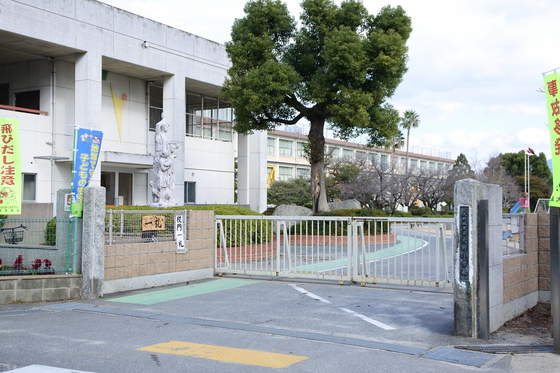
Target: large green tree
{"points": [[540, 176], [337, 69], [462, 169], [538, 165]]}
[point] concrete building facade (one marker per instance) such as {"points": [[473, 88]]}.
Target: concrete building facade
{"points": [[87, 64]]}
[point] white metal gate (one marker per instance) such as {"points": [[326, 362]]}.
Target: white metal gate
{"points": [[410, 251]]}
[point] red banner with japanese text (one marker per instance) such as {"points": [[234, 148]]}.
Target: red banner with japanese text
{"points": [[551, 85], [10, 167]]}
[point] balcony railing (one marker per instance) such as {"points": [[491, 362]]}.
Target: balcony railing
{"points": [[32, 111]]}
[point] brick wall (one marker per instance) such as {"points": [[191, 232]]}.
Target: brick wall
{"points": [[39, 288], [528, 273], [127, 261]]}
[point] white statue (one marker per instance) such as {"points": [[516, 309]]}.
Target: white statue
{"points": [[165, 153]]}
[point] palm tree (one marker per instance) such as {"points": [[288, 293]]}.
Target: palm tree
{"points": [[395, 142], [410, 120]]}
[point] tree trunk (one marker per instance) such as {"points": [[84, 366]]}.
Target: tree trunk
{"points": [[317, 159]]}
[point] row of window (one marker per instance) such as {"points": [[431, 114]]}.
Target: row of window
{"points": [[286, 149], [286, 173], [205, 116]]}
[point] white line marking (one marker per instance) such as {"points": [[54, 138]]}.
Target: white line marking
{"points": [[365, 318]]}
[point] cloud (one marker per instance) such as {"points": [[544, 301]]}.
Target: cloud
{"points": [[537, 139]]}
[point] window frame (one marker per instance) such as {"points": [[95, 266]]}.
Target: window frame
{"points": [[187, 195]]}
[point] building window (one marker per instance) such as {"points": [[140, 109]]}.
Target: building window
{"points": [[373, 158], [303, 173], [155, 104], [4, 94], [270, 145], [360, 155], [286, 148], [334, 152], [285, 173], [347, 153], [384, 161], [300, 151], [432, 165], [28, 100], [423, 164], [28, 187], [190, 192], [413, 163], [208, 117]]}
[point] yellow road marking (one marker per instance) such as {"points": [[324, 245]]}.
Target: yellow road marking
{"points": [[232, 355]]}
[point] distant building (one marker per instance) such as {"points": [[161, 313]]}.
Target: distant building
{"points": [[286, 157]]}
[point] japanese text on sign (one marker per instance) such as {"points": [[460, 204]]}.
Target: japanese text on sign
{"points": [[464, 232], [10, 167], [153, 223], [553, 110], [180, 234]]}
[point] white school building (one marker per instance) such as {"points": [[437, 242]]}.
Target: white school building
{"points": [[95, 66]]}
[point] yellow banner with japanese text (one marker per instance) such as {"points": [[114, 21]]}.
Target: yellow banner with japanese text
{"points": [[551, 84], [10, 167]]}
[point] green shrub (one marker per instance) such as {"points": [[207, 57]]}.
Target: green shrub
{"points": [[422, 211], [218, 209], [269, 211], [354, 212], [240, 232], [401, 214], [290, 192], [50, 232], [326, 228], [236, 233]]}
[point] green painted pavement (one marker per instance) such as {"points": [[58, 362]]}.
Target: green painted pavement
{"points": [[167, 295], [406, 245]]}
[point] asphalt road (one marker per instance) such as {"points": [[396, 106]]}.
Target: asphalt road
{"points": [[245, 325]]}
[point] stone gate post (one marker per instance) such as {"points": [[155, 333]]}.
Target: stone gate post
{"points": [[478, 291], [93, 241]]}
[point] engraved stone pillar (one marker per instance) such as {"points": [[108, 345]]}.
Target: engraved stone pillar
{"points": [[470, 298]]}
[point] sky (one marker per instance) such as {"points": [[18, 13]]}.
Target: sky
{"points": [[475, 67]]}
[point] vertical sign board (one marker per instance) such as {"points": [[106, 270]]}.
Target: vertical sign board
{"points": [[551, 85], [10, 167], [464, 242], [180, 233], [87, 145]]}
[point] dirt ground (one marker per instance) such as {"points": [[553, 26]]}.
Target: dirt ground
{"points": [[533, 327]]}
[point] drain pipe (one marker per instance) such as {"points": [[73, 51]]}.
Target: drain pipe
{"points": [[53, 130]]}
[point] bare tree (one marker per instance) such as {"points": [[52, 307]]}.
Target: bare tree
{"points": [[434, 186]]}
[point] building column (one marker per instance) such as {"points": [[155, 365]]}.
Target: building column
{"points": [[251, 163], [174, 108], [87, 98]]}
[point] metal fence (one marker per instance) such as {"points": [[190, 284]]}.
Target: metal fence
{"points": [[132, 226], [512, 234], [38, 246], [377, 250]]}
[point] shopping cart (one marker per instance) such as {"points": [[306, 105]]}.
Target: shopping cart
{"points": [[13, 235]]}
